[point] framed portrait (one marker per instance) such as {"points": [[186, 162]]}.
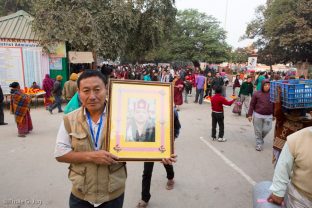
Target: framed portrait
{"points": [[140, 123]]}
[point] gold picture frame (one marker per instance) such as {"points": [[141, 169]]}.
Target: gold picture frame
{"points": [[140, 123]]}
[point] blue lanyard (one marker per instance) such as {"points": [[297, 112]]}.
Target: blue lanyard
{"points": [[95, 140]]}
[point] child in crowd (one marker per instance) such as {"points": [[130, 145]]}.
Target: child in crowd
{"points": [[217, 115]]}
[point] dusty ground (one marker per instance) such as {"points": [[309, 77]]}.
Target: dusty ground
{"points": [[208, 174]]}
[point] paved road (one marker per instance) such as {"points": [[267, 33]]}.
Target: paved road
{"points": [[208, 174]]}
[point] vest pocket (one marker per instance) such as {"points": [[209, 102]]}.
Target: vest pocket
{"points": [[79, 142], [77, 175], [117, 177]]}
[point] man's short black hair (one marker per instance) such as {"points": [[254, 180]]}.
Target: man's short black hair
{"points": [[218, 90], [91, 73]]}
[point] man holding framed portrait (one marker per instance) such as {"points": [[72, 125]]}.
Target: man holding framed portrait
{"points": [[98, 179]]}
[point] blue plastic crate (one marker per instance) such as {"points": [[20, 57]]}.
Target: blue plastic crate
{"points": [[273, 89], [297, 94]]}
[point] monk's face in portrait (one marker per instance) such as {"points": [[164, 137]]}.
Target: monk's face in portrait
{"points": [[141, 112], [141, 115]]}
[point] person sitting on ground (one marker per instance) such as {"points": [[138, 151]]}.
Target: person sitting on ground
{"points": [[217, 115], [292, 175]]}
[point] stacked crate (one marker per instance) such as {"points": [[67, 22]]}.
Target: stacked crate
{"points": [[295, 94]]}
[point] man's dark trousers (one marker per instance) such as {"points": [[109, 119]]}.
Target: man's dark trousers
{"points": [[200, 94], [147, 177], [57, 103], [1, 113], [75, 202], [217, 118]]}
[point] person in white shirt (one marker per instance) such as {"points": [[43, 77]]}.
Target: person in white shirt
{"points": [[292, 181]]}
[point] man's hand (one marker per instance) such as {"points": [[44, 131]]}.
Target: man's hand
{"points": [[249, 118], [103, 157], [170, 161], [275, 199]]}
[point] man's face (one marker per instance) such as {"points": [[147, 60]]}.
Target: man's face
{"points": [[249, 80], [92, 93], [266, 87], [140, 115], [217, 75]]}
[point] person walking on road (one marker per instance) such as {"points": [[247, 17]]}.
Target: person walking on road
{"points": [[259, 80], [200, 82], [261, 112], [178, 85], [217, 81], [208, 87], [236, 84], [57, 93], [47, 86], [70, 87], [148, 170], [245, 93], [1, 108], [217, 115], [188, 86]]}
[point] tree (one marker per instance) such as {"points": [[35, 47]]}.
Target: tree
{"points": [[195, 37], [155, 22], [11, 6], [284, 31], [240, 55], [107, 27]]}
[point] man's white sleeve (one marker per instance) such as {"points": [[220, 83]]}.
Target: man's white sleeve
{"points": [[63, 144], [282, 172]]}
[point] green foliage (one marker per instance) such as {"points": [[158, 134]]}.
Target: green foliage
{"points": [[109, 27], [11, 6], [155, 21], [240, 55], [284, 31], [195, 37]]}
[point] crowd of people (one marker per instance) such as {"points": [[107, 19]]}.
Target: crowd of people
{"points": [[88, 159]]}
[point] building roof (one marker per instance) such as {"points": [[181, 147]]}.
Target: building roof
{"points": [[17, 26]]}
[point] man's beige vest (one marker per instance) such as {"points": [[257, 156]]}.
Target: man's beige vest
{"points": [[92, 182], [300, 146]]}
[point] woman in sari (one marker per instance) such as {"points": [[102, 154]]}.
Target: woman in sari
{"points": [[47, 86], [20, 103]]}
